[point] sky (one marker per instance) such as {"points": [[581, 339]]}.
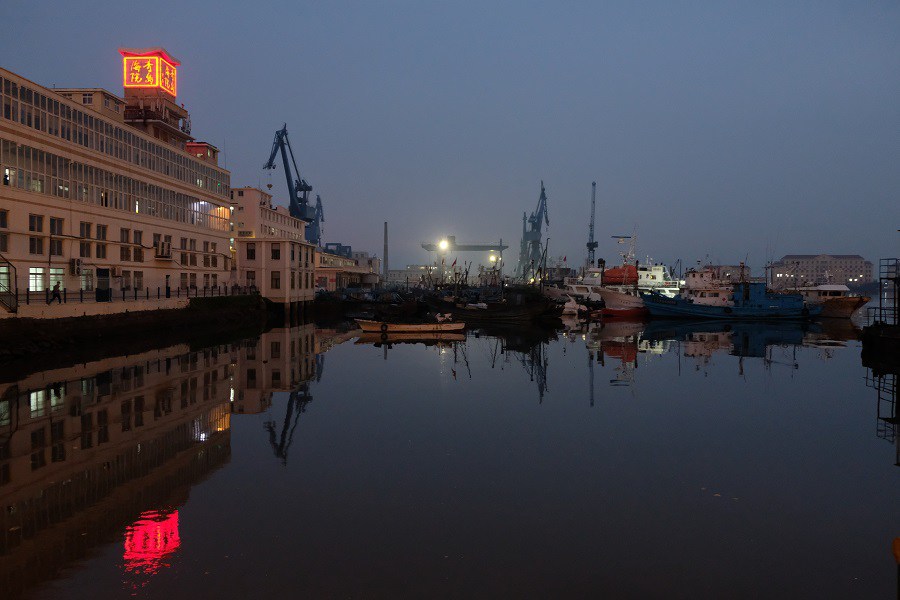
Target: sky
{"points": [[717, 131]]}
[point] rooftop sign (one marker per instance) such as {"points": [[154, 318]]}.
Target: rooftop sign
{"points": [[149, 68]]}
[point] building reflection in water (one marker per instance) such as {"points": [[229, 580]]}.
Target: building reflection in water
{"points": [[107, 451]]}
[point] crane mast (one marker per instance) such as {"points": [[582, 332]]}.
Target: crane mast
{"points": [[298, 188], [530, 249], [591, 244]]}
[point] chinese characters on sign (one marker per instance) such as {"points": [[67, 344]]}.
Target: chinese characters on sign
{"points": [[149, 72]]}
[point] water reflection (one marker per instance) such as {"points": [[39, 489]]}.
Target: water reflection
{"points": [[104, 456], [110, 448]]}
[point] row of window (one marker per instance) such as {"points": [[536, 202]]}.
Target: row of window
{"points": [[43, 172], [131, 249], [303, 282], [306, 252], [49, 115]]}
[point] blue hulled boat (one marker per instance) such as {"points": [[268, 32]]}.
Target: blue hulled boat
{"points": [[749, 300]]}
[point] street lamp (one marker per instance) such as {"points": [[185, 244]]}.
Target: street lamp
{"points": [[443, 244]]}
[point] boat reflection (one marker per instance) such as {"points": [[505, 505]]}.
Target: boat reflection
{"points": [[109, 450]]}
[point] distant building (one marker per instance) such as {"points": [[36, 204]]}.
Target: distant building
{"points": [[731, 273], [271, 248], [795, 270], [372, 263], [412, 274]]}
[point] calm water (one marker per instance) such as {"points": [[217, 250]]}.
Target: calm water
{"points": [[636, 461]]}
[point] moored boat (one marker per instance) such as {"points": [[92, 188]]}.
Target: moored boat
{"points": [[390, 328], [836, 301], [748, 300]]}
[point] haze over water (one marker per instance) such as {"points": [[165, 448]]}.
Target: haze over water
{"points": [[712, 461]]}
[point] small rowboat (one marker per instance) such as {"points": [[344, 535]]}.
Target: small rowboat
{"points": [[383, 327]]}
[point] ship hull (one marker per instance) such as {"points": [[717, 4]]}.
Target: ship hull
{"points": [[680, 308], [844, 307]]}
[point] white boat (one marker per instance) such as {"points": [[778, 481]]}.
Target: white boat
{"points": [[836, 300], [619, 296], [703, 287]]}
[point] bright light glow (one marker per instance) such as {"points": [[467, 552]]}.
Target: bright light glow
{"points": [[149, 71], [443, 244], [493, 258]]}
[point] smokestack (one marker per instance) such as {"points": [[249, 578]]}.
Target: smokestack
{"points": [[385, 268]]}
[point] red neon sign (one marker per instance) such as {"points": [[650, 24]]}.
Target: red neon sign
{"points": [[151, 68], [149, 540]]}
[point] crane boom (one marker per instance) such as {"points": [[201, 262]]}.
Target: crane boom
{"points": [[591, 244], [298, 188]]}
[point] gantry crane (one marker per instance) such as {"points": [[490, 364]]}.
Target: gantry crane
{"points": [[298, 188], [530, 250], [591, 244]]}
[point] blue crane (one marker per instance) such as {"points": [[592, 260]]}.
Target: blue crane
{"points": [[530, 250], [298, 188]]}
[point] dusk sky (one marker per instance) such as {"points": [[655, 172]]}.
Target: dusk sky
{"points": [[726, 130]]}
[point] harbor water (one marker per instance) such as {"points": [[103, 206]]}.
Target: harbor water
{"points": [[630, 460]]}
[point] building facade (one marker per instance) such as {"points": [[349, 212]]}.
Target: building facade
{"points": [[271, 249], [107, 193], [795, 270]]}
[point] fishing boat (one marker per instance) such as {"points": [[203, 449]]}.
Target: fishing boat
{"points": [[516, 306], [836, 301], [391, 328], [619, 288], [748, 300]]}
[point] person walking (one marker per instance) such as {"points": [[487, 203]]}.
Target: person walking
{"points": [[55, 295]]}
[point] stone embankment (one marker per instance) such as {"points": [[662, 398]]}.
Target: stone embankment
{"points": [[28, 344]]}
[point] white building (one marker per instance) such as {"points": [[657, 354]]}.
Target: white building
{"points": [[105, 195], [271, 250]]}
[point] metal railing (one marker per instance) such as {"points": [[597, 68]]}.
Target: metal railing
{"points": [[131, 294], [8, 296]]}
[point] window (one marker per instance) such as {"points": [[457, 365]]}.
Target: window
{"points": [[84, 250], [101, 250], [251, 251], [87, 99], [124, 235], [56, 276], [55, 247], [276, 280], [101, 232], [125, 253], [4, 242], [36, 278], [4, 219], [276, 251], [56, 226], [138, 280], [35, 245], [126, 280], [251, 278], [87, 280], [35, 223]]}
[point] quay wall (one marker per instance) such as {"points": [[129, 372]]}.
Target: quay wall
{"points": [[26, 343]]}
